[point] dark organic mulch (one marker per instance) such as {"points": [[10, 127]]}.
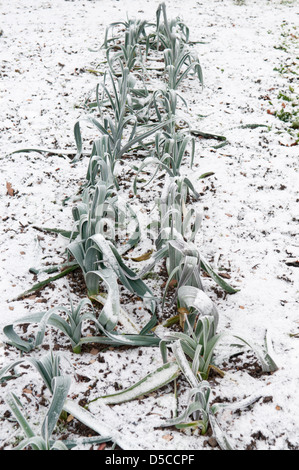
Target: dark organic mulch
{"points": [[245, 362]]}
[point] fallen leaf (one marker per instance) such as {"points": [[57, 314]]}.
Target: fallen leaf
{"points": [[204, 274], [10, 191], [183, 311], [94, 351], [287, 145], [225, 275], [173, 283], [241, 307], [293, 262], [167, 437], [143, 257], [27, 390], [102, 446]]}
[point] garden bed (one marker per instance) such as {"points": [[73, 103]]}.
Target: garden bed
{"points": [[247, 51]]}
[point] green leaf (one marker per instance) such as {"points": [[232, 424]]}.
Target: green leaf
{"points": [[97, 425], [60, 387], [109, 314], [184, 364], [218, 279], [60, 153], [14, 405], [152, 382], [207, 135], [40, 285], [47, 366]]}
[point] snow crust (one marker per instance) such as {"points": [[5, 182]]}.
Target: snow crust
{"points": [[251, 210]]}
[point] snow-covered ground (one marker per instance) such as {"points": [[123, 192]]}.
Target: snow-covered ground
{"points": [[250, 204]]}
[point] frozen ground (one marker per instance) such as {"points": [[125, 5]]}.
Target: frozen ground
{"points": [[250, 204]]}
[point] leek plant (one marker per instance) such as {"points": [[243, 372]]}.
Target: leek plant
{"points": [[95, 213], [47, 366], [169, 30], [183, 266], [173, 36], [198, 401], [127, 55], [115, 129], [102, 254], [168, 159], [102, 211], [176, 222], [177, 229], [58, 385], [198, 343], [185, 257], [72, 328], [135, 32], [200, 336], [139, 98], [42, 440], [199, 396], [175, 241], [165, 104], [101, 264], [199, 347], [97, 217], [198, 405], [102, 164], [179, 63], [196, 303]]}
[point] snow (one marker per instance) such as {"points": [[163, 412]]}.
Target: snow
{"points": [[250, 225]]}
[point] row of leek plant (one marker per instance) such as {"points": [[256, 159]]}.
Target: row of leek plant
{"points": [[101, 215], [193, 350]]}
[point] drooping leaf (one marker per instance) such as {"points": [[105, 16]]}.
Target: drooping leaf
{"points": [[153, 381]]}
